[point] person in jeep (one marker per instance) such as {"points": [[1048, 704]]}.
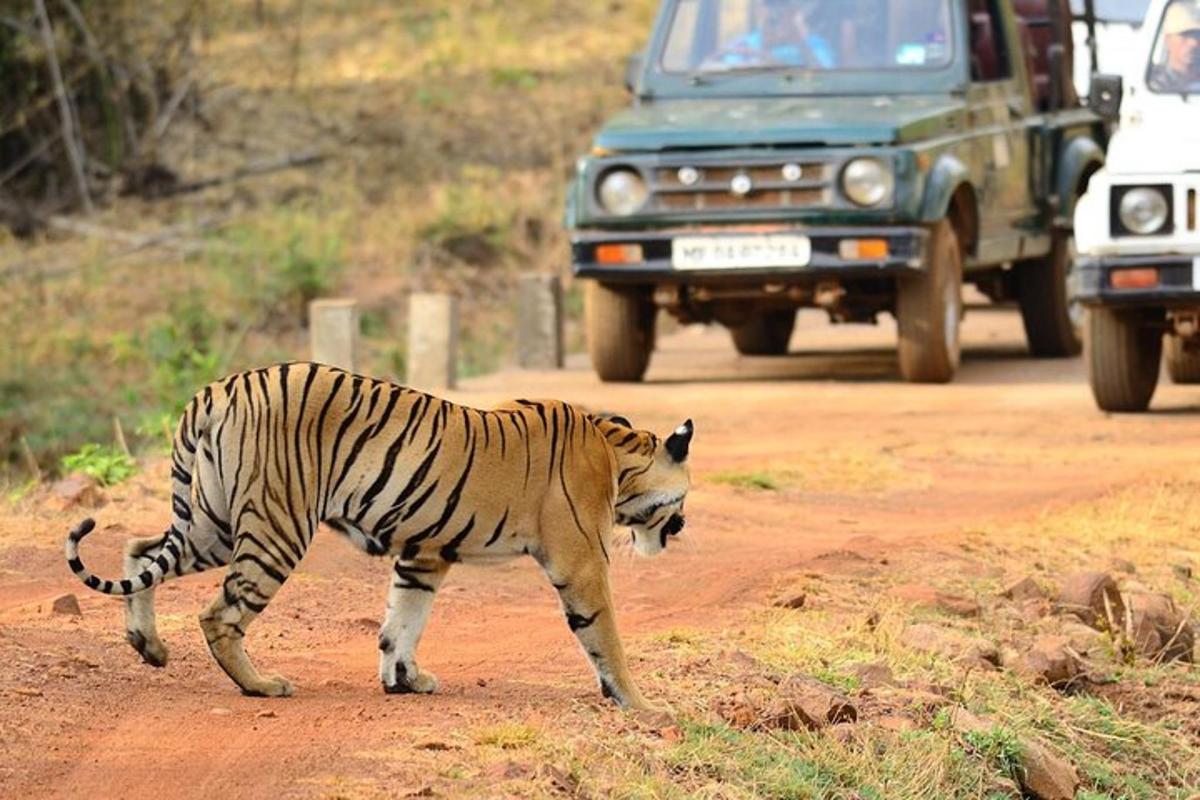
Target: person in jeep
{"points": [[1179, 50], [783, 37]]}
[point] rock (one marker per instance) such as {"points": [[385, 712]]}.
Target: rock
{"points": [[1159, 630], [1048, 662], [1084, 594], [737, 710], [1045, 775], [912, 698], [925, 596], [874, 675], [792, 601], [76, 491], [27, 691], [220, 712], [806, 704], [1025, 589], [944, 642], [1042, 775], [1121, 565], [66, 604], [266, 713], [1083, 639], [896, 723], [1034, 608]]}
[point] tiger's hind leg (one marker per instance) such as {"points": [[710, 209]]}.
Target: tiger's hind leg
{"points": [[203, 549], [410, 598], [262, 561]]}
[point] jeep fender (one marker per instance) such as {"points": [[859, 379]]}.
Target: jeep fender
{"points": [[1080, 157], [945, 180]]}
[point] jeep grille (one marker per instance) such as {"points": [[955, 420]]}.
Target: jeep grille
{"points": [[769, 189]]}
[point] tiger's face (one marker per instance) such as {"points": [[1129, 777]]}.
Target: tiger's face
{"points": [[653, 509]]}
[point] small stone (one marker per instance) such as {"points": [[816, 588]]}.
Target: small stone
{"points": [[806, 704], [792, 601], [924, 596], [1159, 630], [66, 604], [1093, 598], [1048, 662], [1045, 775], [481, 682], [874, 674], [1083, 639], [264, 714], [76, 490], [932, 639], [220, 712], [1025, 589]]}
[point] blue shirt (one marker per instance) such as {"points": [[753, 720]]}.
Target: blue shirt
{"points": [[792, 55]]}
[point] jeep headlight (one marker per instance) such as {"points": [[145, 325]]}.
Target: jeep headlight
{"points": [[622, 191], [867, 181], [1143, 210]]}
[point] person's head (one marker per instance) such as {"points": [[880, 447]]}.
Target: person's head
{"points": [[784, 21], [1181, 34]]}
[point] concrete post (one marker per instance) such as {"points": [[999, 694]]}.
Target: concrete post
{"points": [[432, 341], [333, 332], [539, 321]]}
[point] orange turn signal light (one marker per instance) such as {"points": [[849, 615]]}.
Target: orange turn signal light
{"points": [[619, 254], [863, 249], [1140, 278]]}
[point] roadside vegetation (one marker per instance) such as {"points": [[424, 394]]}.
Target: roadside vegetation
{"points": [[392, 147]]}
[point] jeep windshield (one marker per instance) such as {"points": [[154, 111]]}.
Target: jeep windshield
{"points": [[715, 37], [1175, 60]]}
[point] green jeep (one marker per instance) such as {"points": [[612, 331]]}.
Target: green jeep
{"points": [[857, 156]]}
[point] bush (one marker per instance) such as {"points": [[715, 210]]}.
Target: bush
{"points": [[105, 465]]}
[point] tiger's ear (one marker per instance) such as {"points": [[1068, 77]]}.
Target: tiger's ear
{"points": [[678, 442], [616, 419]]}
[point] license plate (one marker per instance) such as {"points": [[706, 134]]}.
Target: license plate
{"points": [[740, 252]]}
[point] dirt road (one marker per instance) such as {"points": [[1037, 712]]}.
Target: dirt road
{"points": [[872, 464]]}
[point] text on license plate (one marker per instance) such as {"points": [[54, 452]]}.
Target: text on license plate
{"points": [[732, 252]]}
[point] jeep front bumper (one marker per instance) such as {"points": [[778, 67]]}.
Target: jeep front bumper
{"points": [[904, 253], [1142, 280]]}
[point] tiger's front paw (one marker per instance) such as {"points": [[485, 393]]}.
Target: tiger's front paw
{"points": [[411, 682], [275, 686]]}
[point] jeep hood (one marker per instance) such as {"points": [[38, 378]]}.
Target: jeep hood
{"points": [[1163, 138], [781, 121]]}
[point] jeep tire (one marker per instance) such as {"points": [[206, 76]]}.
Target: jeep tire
{"points": [[929, 311], [1123, 353], [1053, 325], [767, 333], [620, 330]]}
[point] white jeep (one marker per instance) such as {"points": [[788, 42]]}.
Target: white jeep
{"points": [[1137, 229]]}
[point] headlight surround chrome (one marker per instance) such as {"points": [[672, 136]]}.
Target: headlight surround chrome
{"points": [[622, 191], [868, 181], [1142, 210]]}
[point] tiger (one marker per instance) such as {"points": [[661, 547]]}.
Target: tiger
{"points": [[261, 458]]}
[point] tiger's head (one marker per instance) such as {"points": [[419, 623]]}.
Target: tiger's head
{"points": [[652, 485]]}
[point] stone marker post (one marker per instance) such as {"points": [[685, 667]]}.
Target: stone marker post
{"points": [[539, 321], [432, 341], [333, 331]]}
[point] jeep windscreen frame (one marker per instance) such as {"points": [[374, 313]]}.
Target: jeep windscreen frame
{"points": [[760, 47]]}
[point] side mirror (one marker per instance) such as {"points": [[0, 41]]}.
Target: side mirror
{"points": [[1104, 96], [633, 72]]}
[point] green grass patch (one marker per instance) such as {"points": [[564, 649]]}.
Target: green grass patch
{"points": [[105, 465], [758, 480]]}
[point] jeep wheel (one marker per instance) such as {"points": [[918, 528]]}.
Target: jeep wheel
{"points": [[620, 330], [1183, 363], [929, 311], [765, 334], [1124, 349], [1053, 324]]}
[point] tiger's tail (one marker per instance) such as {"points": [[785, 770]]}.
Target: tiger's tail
{"points": [[192, 426]]}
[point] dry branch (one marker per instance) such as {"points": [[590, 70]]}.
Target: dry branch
{"points": [[70, 134]]}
